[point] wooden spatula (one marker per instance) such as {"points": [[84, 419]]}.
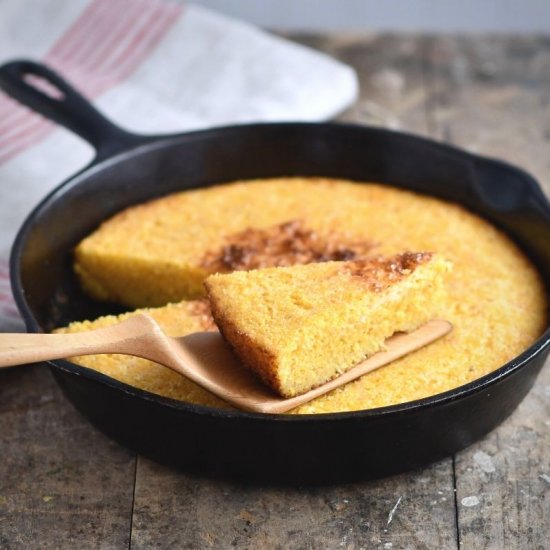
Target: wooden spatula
{"points": [[203, 357]]}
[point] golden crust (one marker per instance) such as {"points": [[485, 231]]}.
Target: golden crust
{"points": [[379, 273]]}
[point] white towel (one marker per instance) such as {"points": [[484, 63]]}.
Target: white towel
{"points": [[151, 66]]}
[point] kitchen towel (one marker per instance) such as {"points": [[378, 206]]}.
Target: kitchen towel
{"points": [[152, 66]]}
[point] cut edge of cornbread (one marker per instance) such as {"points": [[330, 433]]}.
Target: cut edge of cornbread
{"points": [[100, 276], [295, 339], [161, 250]]}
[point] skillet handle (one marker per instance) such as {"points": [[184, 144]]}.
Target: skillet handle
{"points": [[45, 92]]}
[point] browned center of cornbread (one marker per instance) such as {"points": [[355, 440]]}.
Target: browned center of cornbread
{"points": [[378, 272], [286, 244]]}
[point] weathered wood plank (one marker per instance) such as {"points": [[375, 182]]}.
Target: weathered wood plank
{"points": [[503, 482], [200, 513], [395, 513], [62, 483], [390, 70], [492, 95]]}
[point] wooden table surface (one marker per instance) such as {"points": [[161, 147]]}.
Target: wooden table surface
{"points": [[65, 485]]}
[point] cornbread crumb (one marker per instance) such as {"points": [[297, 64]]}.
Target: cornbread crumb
{"points": [[497, 302], [300, 326], [176, 320]]}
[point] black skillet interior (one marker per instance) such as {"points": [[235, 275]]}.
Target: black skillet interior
{"points": [[130, 169]]}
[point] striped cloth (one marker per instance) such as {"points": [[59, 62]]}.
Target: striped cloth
{"points": [[152, 66], [99, 50]]}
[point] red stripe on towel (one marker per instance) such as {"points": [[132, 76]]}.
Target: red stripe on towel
{"points": [[7, 305], [103, 47]]}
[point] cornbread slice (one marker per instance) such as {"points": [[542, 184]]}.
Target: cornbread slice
{"points": [[301, 326]]}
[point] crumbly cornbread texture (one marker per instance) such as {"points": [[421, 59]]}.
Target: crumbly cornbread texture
{"points": [[161, 251], [496, 299], [310, 323], [175, 320]]}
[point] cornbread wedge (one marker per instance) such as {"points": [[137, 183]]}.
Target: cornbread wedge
{"points": [[301, 326]]}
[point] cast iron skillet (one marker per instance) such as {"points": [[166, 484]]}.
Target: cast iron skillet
{"points": [[323, 448]]}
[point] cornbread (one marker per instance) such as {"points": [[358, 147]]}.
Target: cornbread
{"points": [[496, 301], [175, 320], [298, 327], [162, 251]]}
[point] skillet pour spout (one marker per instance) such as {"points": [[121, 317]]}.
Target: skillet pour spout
{"points": [[287, 449]]}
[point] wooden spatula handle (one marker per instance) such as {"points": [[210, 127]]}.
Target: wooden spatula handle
{"points": [[125, 337]]}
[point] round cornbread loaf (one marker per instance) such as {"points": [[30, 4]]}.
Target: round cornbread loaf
{"points": [[496, 300]]}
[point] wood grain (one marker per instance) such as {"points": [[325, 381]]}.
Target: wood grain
{"points": [[396, 512], [62, 483], [203, 357], [492, 96]]}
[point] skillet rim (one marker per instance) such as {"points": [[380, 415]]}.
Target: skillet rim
{"points": [[538, 347]]}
